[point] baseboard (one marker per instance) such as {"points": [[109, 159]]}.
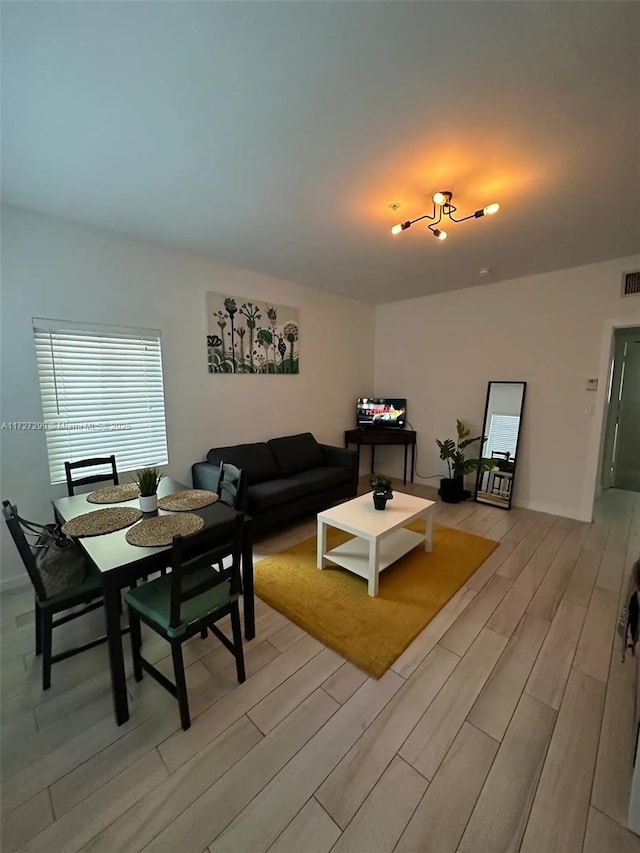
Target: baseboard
{"points": [[9, 584], [536, 506], [553, 509]]}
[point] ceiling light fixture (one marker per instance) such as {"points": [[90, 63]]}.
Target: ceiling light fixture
{"points": [[442, 207]]}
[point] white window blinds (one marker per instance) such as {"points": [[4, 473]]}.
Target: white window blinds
{"points": [[102, 393], [503, 435]]}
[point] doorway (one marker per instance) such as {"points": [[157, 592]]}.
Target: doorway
{"points": [[621, 450]]}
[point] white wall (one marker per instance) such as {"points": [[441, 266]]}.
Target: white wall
{"points": [[55, 269], [552, 331]]}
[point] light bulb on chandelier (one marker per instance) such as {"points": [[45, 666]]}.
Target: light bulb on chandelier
{"points": [[401, 227], [441, 198], [442, 207]]}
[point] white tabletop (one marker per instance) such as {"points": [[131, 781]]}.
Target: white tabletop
{"points": [[359, 516], [111, 550]]}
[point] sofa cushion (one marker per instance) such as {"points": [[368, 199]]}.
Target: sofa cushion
{"points": [[295, 453], [256, 460], [264, 496], [320, 479]]}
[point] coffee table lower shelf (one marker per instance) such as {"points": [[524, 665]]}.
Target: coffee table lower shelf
{"points": [[354, 554]]}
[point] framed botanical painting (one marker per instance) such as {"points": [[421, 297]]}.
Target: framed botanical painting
{"points": [[251, 337]]}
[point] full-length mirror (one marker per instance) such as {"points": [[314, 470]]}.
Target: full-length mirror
{"points": [[501, 429]]}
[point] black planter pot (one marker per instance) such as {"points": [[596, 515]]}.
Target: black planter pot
{"points": [[452, 490], [380, 500]]}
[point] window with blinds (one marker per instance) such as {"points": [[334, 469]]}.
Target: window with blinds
{"points": [[503, 435], [102, 393]]}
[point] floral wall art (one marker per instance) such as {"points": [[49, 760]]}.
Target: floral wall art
{"points": [[251, 337]]}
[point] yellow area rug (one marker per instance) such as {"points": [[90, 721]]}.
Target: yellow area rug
{"points": [[333, 604]]}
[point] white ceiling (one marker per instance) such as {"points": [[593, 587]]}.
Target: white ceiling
{"points": [[275, 135]]}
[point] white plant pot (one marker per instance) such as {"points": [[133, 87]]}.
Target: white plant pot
{"points": [[148, 503]]}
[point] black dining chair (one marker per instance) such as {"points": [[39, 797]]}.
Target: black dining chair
{"points": [[506, 465], [231, 490], [198, 593], [232, 486], [88, 592], [98, 462]]}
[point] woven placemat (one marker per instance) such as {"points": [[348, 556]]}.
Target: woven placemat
{"points": [[114, 494], [187, 500], [101, 521], [151, 532]]}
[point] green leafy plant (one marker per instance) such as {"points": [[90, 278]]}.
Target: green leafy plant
{"points": [[381, 485], [148, 480], [453, 453]]}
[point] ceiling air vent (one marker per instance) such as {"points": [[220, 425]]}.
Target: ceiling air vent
{"points": [[631, 283]]}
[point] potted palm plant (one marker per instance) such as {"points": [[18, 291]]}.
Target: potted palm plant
{"points": [[148, 480], [382, 490], [453, 453]]}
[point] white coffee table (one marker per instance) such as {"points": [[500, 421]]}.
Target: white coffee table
{"points": [[381, 538]]}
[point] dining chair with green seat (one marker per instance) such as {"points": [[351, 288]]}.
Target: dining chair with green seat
{"points": [[89, 479], [232, 486], [232, 490], [197, 593], [53, 597]]}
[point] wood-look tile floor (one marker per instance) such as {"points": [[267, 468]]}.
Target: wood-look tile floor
{"points": [[507, 725]]}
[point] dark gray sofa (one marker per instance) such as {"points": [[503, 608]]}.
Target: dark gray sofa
{"points": [[286, 477]]}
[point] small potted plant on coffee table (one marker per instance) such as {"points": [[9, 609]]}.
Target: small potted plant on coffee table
{"points": [[382, 490], [148, 480]]}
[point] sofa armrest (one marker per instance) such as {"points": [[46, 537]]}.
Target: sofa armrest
{"points": [[341, 458], [205, 476]]}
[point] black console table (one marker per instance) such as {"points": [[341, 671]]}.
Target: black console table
{"points": [[373, 437]]}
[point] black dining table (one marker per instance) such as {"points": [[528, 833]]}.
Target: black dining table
{"points": [[120, 565]]}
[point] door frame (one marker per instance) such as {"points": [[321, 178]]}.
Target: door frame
{"points": [[614, 380], [592, 482]]}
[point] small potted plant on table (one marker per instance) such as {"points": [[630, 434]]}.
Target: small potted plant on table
{"points": [[148, 480], [382, 490], [453, 453]]}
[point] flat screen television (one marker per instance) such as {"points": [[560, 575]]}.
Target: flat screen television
{"points": [[381, 412]]}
